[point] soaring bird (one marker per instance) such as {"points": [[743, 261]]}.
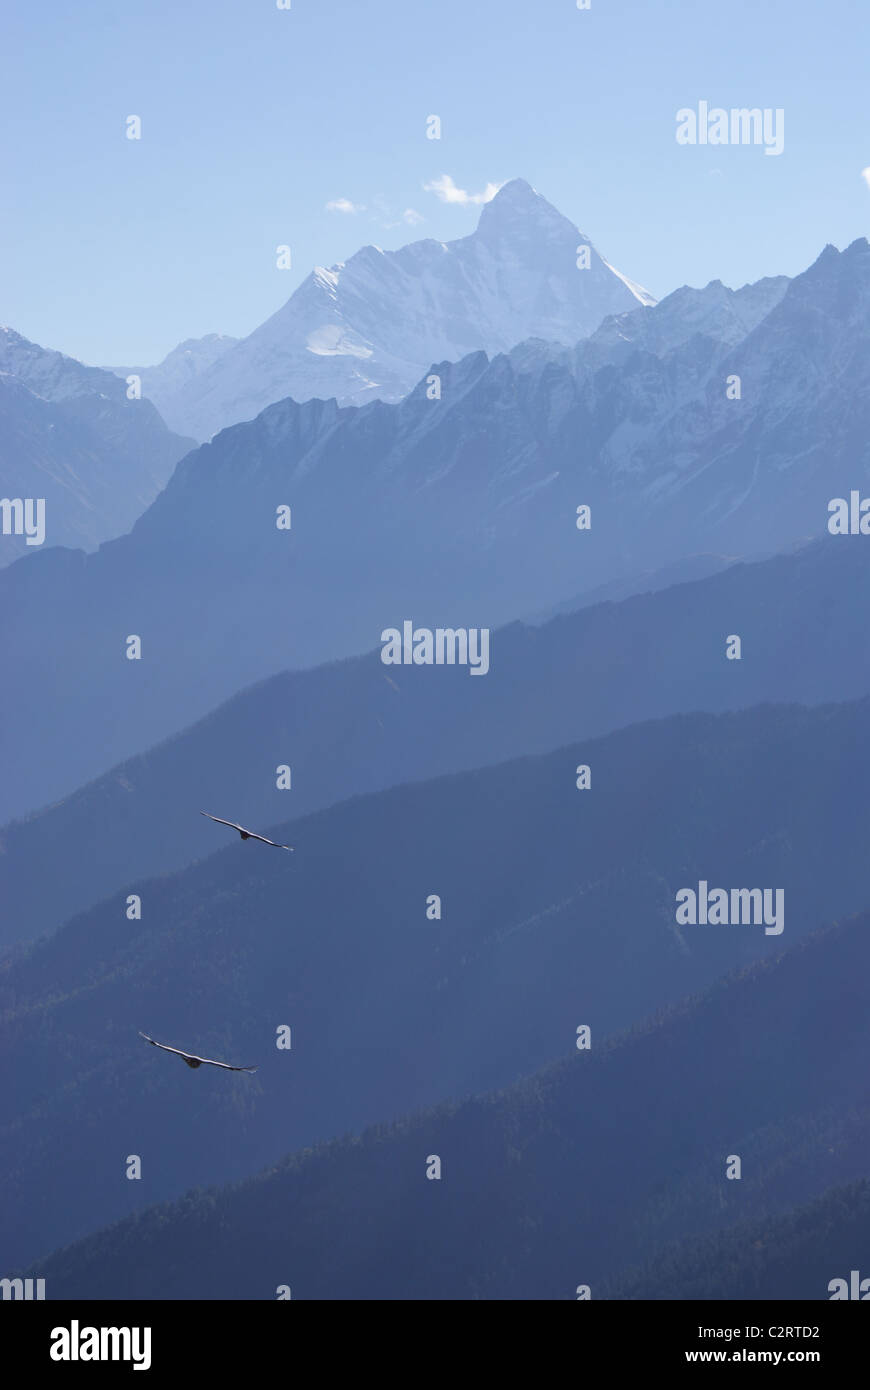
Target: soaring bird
{"points": [[191, 1059], [245, 834]]}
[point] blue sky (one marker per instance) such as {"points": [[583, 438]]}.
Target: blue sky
{"points": [[254, 119]]}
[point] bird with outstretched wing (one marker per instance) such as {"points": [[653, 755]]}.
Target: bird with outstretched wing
{"points": [[246, 834], [191, 1059]]}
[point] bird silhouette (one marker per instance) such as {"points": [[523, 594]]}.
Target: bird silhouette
{"points": [[246, 834], [191, 1059]]}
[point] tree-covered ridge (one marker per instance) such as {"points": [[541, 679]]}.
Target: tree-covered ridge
{"points": [[794, 1256], [590, 1167]]}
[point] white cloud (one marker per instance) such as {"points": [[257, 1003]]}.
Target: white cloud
{"points": [[344, 205], [445, 189], [865, 174], [412, 217]]}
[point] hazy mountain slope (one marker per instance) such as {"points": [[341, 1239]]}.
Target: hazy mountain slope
{"points": [[368, 329], [795, 1256], [69, 435], [163, 381], [598, 1161], [686, 571], [359, 726], [558, 908]]}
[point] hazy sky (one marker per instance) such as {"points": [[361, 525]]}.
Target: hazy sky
{"points": [[254, 118]]}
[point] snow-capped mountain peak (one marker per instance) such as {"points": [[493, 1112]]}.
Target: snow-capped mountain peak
{"points": [[369, 327]]}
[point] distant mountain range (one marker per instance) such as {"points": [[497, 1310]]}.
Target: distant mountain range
{"points": [[558, 908], [358, 726], [569, 1178], [368, 329], [69, 435], [461, 511]]}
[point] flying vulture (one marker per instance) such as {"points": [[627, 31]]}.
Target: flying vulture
{"points": [[191, 1059], [245, 834]]}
